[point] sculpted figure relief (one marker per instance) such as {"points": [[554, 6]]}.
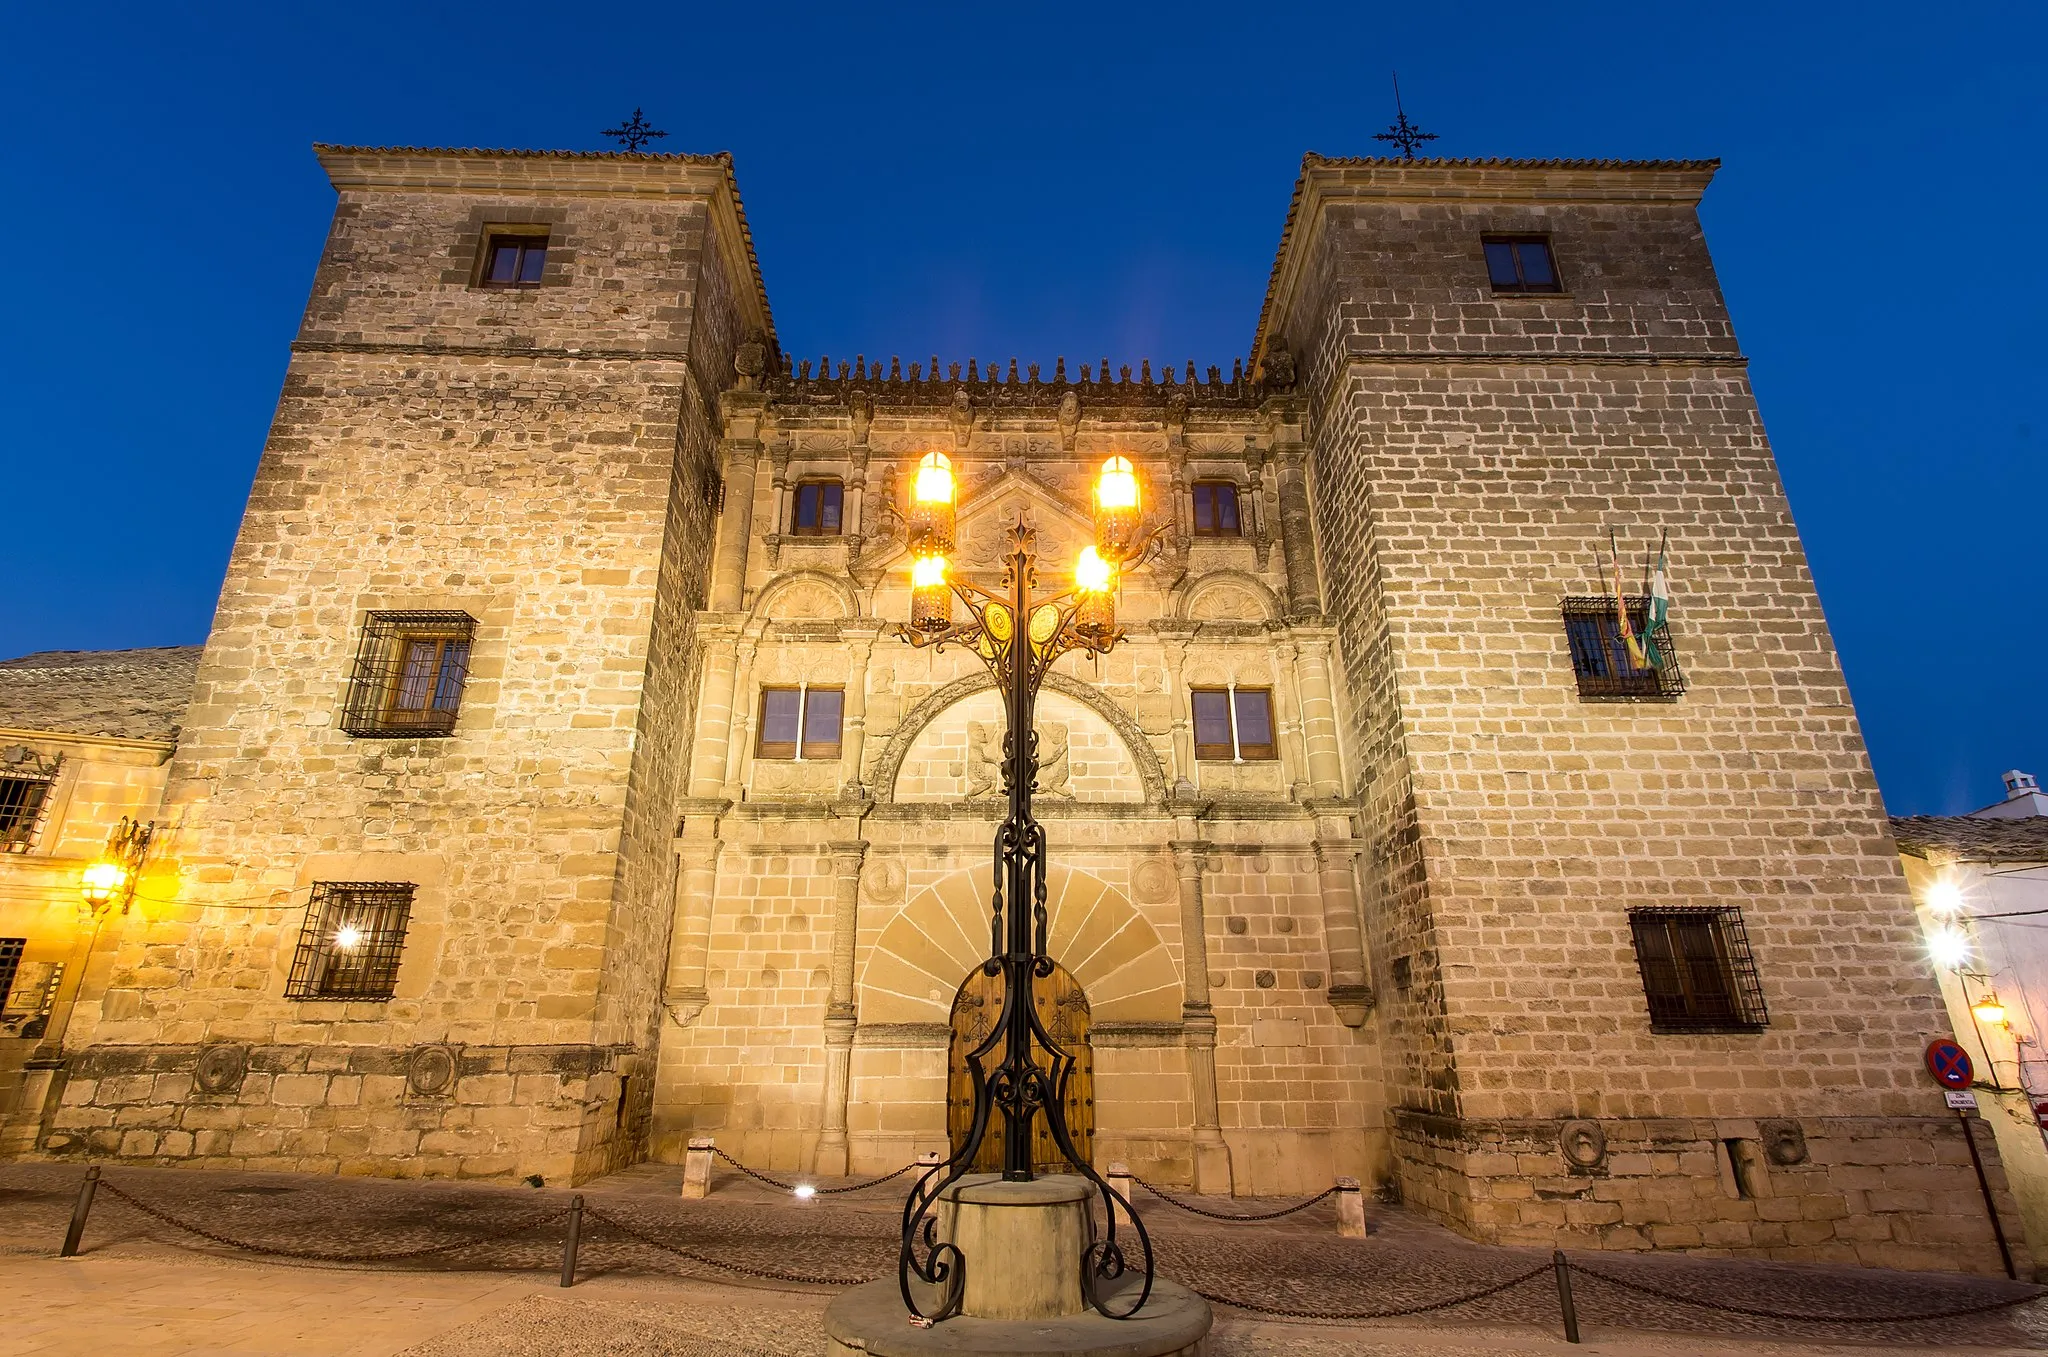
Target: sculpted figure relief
{"points": [[985, 759]]}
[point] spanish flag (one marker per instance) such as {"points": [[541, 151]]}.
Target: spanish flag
{"points": [[1637, 656]]}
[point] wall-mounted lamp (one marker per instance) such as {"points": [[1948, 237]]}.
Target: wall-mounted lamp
{"points": [[112, 875]]}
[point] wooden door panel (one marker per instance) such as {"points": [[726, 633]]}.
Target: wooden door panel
{"points": [[1063, 1011]]}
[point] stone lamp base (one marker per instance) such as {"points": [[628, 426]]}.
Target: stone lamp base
{"points": [[1021, 1246]]}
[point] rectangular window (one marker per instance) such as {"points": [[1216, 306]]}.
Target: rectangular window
{"points": [[28, 990], [817, 508], [1600, 658], [409, 675], [1216, 509], [1520, 264], [513, 259], [350, 944], [800, 723], [23, 800], [1234, 724], [10, 960], [1698, 974]]}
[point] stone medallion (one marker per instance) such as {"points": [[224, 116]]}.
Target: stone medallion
{"points": [[1154, 882], [885, 881], [431, 1071], [1784, 1142], [220, 1068], [1583, 1144]]}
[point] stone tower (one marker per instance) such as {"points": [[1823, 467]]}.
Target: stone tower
{"points": [[534, 454]]}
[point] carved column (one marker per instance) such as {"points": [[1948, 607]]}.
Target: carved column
{"points": [[689, 945], [1319, 716], [714, 712], [741, 726], [742, 412], [853, 736], [1297, 537], [1337, 879], [1197, 1016], [840, 1018], [1174, 636], [1287, 716]]}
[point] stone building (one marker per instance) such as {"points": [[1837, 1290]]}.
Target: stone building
{"points": [[555, 789]]}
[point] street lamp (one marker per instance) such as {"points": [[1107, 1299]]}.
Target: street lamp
{"points": [[113, 873], [1018, 633]]}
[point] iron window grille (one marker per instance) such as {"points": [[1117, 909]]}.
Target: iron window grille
{"points": [[1600, 658], [818, 506], [513, 259], [800, 723], [1216, 510], [1233, 724], [409, 675], [24, 802], [10, 961], [1698, 973], [351, 941], [1520, 264]]}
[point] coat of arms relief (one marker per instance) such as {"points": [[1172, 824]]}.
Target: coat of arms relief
{"points": [[985, 759]]}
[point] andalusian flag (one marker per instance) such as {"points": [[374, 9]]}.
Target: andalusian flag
{"points": [[1660, 604], [1637, 656]]}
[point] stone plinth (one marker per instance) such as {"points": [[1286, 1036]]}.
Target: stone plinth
{"points": [[871, 1320]]}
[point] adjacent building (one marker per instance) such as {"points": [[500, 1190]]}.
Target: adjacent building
{"points": [[554, 787]]}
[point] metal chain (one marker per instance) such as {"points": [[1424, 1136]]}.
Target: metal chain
{"points": [[820, 1191], [1756, 1313], [1192, 1209], [1284, 1312], [765, 1274], [308, 1255]]}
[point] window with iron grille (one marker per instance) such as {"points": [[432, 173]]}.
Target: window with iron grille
{"points": [[24, 800], [10, 960], [1600, 658], [1520, 264], [1216, 509], [350, 944], [817, 509], [800, 723], [1233, 724], [409, 674], [1698, 974], [513, 259]]}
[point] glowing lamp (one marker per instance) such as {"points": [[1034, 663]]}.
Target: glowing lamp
{"points": [[1093, 574], [1948, 948], [100, 881], [1116, 510], [1944, 897], [1988, 1009], [931, 599], [348, 937], [803, 1192], [1095, 615], [929, 526]]}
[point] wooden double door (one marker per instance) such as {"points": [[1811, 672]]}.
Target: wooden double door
{"points": [[1062, 1011]]}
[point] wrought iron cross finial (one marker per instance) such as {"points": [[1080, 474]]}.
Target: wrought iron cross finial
{"points": [[635, 133], [1403, 133]]}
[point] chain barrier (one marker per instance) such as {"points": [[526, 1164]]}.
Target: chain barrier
{"points": [[1754, 1312], [763, 1274], [760, 1177], [1232, 1216], [1286, 1312], [309, 1255]]}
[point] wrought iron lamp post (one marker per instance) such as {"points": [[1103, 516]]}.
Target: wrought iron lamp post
{"points": [[1018, 633]]}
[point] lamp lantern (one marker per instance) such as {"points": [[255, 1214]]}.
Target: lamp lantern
{"points": [[1095, 579], [931, 598], [113, 873], [100, 881], [1944, 897], [1118, 511], [930, 524], [1989, 1010]]}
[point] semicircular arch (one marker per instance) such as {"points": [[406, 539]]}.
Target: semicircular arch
{"points": [[800, 587], [1216, 586]]}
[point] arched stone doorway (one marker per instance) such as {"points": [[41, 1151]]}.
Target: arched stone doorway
{"points": [[1063, 1011]]}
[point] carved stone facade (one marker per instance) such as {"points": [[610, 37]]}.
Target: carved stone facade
{"points": [[1399, 947]]}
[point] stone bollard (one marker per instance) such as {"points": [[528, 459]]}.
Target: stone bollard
{"points": [[930, 1159], [1119, 1176], [697, 1167], [1350, 1209]]}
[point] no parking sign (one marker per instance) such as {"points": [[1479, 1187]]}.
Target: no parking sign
{"points": [[1950, 1064]]}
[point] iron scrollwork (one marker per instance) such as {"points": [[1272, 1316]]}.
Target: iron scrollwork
{"points": [[1019, 635]]}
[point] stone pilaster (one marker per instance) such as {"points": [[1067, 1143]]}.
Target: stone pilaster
{"points": [[684, 995], [1337, 879], [714, 711], [840, 1015], [740, 454], [1318, 715], [1198, 1019], [860, 638], [740, 727]]}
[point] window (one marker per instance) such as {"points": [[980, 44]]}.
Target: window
{"points": [[23, 799], [1234, 724], [1698, 974], [349, 946], [10, 960], [1520, 264], [1216, 509], [1600, 658], [800, 723], [513, 259], [28, 990], [817, 509], [409, 675]]}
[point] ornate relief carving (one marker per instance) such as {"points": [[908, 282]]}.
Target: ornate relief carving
{"points": [[985, 759], [885, 879], [1583, 1145], [430, 1073], [1155, 881], [221, 1068], [1784, 1141]]}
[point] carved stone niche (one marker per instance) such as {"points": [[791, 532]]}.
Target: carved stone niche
{"points": [[220, 1068], [1583, 1145], [430, 1072], [1784, 1141]]}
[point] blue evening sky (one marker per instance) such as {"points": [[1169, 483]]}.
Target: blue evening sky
{"points": [[995, 180]]}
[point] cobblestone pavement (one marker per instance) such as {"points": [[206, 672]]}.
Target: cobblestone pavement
{"points": [[495, 1246]]}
